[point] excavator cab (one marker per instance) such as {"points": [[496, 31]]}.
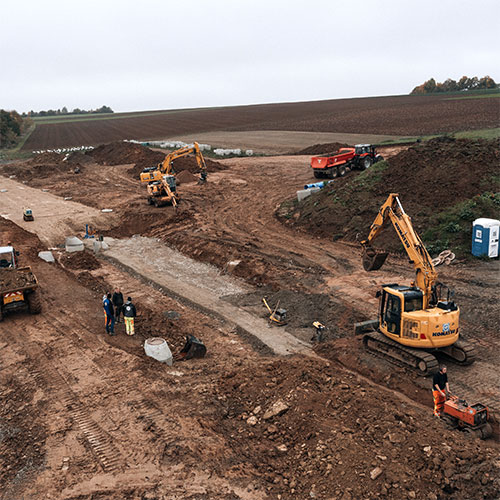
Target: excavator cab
{"points": [[396, 300], [170, 180]]}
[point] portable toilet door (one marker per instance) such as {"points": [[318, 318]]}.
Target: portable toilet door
{"points": [[485, 233]]}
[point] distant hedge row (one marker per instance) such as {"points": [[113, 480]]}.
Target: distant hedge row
{"points": [[12, 125], [64, 111], [465, 83]]}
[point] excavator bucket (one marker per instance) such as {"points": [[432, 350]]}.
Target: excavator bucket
{"points": [[193, 348], [373, 259]]}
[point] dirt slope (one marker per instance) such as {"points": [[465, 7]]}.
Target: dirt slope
{"points": [[120, 153], [443, 184]]}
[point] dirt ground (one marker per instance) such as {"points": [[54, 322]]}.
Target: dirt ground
{"points": [[84, 415]]}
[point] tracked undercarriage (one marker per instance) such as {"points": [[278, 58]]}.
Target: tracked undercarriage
{"points": [[422, 361]]}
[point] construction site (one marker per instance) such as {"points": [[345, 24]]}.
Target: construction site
{"points": [[285, 400]]}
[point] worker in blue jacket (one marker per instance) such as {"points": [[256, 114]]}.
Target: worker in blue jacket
{"points": [[109, 314]]}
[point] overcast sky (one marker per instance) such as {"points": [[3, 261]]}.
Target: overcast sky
{"points": [[161, 54]]}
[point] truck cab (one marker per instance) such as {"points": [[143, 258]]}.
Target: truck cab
{"points": [[8, 257]]}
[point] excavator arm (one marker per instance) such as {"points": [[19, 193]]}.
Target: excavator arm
{"points": [[166, 166], [392, 211]]}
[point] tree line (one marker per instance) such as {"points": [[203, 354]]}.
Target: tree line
{"points": [[65, 111], [12, 126], [464, 84]]}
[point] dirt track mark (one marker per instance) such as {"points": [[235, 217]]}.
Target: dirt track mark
{"points": [[100, 442]]}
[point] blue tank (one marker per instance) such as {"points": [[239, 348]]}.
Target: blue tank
{"points": [[320, 185]]}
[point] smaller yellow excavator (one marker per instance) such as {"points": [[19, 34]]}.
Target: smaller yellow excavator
{"points": [[414, 322], [161, 182]]}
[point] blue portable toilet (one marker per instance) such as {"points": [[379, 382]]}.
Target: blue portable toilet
{"points": [[485, 237]]}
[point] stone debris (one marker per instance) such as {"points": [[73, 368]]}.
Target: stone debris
{"points": [[277, 409], [252, 420]]}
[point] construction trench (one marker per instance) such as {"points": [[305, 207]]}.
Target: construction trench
{"points": [[268, 413]]}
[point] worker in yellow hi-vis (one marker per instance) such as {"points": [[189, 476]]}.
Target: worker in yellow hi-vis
{"points": [[129, 313]]}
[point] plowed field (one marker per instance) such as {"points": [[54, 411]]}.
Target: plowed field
{"points": [[400, 115]]}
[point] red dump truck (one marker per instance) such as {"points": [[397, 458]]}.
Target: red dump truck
{"points": [[18, 285], [361, 156]]}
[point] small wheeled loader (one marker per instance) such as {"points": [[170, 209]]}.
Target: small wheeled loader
{"points": [[28, 214]]}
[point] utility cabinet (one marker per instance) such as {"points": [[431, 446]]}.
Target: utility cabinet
{"points": [[485, 234]]}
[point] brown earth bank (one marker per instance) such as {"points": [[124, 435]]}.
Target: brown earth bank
{"points": [[122, 152], [394, 115], [437, 182], [319, 433]]}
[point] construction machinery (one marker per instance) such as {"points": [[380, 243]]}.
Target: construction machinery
{"points": [[161, 181], [320, 331], [28, 214], [472, 419], [414, 322], [193, 348], [18, 285], [276, 316], [361, 156]]}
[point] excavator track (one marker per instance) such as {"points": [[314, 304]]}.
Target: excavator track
{"points": [[418, 360], [461, 352]]}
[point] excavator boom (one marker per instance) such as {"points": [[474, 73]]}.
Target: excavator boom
{"points": [[166, 166], [392, 211]]}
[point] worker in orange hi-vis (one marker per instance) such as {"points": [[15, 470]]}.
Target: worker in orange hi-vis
{"points": [[439, 386], [129, 313]]}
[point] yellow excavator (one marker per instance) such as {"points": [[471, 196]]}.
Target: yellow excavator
{"points": [[414, 322], [161, 182]]}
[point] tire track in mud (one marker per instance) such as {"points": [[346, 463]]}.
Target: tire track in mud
{"points": [[140, 412], [138, 407], [47, 375]]}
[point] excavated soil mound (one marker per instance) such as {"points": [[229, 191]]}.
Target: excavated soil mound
{"points": [[189, 163], [45, 165], [122, 153], [80, 260], [13, 278], [185, 177], [321, 149], [79, 158], [186, 163], [432, 178], [306, 431], [42, 158], [442, 172]]}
